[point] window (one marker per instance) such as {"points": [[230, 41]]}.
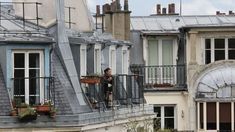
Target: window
{"points": [[27, 70], [211, 111], [112, 59], [125, 61], [83, 58], [97, 60], [219, 49], [165, 117]]}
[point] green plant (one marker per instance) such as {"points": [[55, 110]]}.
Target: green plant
{"points": [[27, 115]]}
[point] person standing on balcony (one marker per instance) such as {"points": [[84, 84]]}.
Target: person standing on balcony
{"points": [[107, 82]]}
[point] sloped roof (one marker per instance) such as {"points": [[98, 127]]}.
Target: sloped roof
{"points": [[171, 23]]}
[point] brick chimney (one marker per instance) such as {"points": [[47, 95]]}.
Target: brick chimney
{"points": [[106, 8], [117, 21], [158, 9]]}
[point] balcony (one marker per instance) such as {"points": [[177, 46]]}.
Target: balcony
{"points": [[127, 90], [33, 90], [167, 77]]}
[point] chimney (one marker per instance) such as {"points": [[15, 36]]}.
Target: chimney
{"points": [[173, 8], [169, 9], [158, 9], [126, 5], [97, 9], [217, 12], [118, 5], [231, 13], [106, 8], [164, 11]]}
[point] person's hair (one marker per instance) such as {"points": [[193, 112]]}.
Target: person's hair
{"points": [[107, 69]]}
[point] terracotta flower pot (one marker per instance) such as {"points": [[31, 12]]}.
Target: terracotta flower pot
{"points": [[43, 108]]}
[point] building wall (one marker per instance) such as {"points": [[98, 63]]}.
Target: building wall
{"points": [[195, 62], [179, 99], [80, 14], [136, 51]]}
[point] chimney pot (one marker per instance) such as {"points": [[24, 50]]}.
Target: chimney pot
{"points": [[118, 5], [97, 9], [158, 9], [173, 8], [163, 10], [169, 9], [126, 5]]}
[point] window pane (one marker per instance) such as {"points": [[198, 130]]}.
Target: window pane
{"points": [[208, 57], [211, 116], [19, 85], [157, 110], [231, 54], [225, 116], [152, 52], [34, 60], [169, 111], [34, 86], [167, 52], [219, 55], [201, 116], [219, 43], [208, 43], [19, 60], [169, 123], [231, 43]]}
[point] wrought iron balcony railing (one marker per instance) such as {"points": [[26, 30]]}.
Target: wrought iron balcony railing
{"points": [[167, 76]]}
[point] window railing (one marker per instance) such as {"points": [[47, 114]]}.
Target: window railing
{"points": [[40, 90], [127, 90], [167, 76]]}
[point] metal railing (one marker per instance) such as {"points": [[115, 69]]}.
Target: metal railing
{"points": [[161, 76], [127, 90], [6, 13], [40, 90]]}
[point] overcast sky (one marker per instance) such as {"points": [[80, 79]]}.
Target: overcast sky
{"points": [[189, 7]]}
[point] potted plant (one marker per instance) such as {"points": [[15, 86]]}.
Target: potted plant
{"points": [[52, 112], [13, 112], [45, 107], [28, 114]]}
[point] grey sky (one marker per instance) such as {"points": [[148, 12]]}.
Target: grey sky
{"points": [[190, 7]]}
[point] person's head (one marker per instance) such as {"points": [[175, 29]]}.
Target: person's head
{"points": [[108, 71]]}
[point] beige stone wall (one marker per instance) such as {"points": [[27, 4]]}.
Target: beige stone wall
{"points": [[79, 15], [195, 62], [180, 99]]}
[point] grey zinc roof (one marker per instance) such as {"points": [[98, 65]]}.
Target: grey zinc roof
{"points": [[171, 23]]}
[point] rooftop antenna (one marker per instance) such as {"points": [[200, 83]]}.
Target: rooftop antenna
{"points": [[180, 7]]}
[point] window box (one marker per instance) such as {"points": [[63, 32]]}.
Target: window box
{"points": [[43, 108], [90, 79]]}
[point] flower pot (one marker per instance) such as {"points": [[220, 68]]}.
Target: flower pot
{"points": [[13, 113]]}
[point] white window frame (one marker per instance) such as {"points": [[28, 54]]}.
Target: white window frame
{"points": [[213, 48], [162, 107], [83, 60], [125, 60], [112, 58], [26, 69], [97, 59]]}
